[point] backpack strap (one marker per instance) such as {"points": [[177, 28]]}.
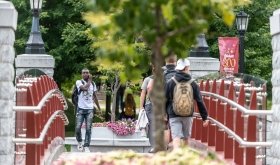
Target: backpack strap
{"points": [[190, 81], [174, 79], [79, 91]]}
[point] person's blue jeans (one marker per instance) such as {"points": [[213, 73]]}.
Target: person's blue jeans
{"points": [[149, 113], [81, 116]]}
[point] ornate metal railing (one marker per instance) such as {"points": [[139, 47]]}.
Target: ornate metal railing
{"points": [[237, 124], [40, 119]]}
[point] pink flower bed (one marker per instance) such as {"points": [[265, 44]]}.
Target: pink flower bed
{"points": [[121, 128]]}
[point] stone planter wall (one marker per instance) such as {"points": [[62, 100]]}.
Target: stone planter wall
{"points": [[104, 140]]}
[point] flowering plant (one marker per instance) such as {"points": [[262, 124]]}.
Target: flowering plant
{"points": [[123, 127], [180, 156]]}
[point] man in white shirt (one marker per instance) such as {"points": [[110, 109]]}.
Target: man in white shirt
{"points": [[86, 108]]}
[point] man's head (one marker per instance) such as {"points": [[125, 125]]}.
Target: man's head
{"points": [[85, 73], [171, 59], [183, 65]]}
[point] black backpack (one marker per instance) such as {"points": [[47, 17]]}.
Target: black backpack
{"points": [[75, 94]]}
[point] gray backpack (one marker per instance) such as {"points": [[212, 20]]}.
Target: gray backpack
{"points": [[183, 98]]}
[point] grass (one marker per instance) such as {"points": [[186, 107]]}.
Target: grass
{"points": [[269, 104], [67, 147], [69, 133]]}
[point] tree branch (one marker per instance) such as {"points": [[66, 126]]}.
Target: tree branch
{"points": [[177, 31]]}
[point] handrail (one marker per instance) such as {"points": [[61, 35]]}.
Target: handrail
{"points": [[242, 142], [41, 103], [65, 102], [66, 121], [239, 107], [44, 131]]}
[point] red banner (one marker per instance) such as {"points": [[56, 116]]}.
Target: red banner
{"points": [[229, 54]]}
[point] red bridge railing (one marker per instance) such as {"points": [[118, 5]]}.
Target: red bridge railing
{"points": [[237, 126], [40, 119]]}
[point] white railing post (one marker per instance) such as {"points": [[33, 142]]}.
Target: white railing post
{"points": [[274, 153], [8, 24]]}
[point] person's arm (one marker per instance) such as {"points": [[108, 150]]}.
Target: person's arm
{"points": [[94, 97], [96, 101], [86, 86], [200, 104], [142, 98], [143, 92]]}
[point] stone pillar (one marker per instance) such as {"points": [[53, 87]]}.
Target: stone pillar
{"points": [[8, 24], [42, 62], [201, 66], [35, 58], [201, 62], [274, 152]]}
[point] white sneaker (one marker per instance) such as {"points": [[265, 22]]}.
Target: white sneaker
{"points": [[86, 149], [80, 146]]}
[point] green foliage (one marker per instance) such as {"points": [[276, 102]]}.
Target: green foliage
{"points": [[122, 24], [258, 51], [75, 52], [24, 24], [71, 118], [64, 33], [165, 26]]}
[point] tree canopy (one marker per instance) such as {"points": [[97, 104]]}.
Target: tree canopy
{"points": [[64, 33], [165, 26]]}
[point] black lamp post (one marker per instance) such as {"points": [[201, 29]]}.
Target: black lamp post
{"points": [[241, 24], [201, 49], [35, 44]]}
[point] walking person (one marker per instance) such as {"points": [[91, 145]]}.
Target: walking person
{"points": [[180, 91], [169, 68], [146, 103], [129, 107], [168, 73], [86, 108]]}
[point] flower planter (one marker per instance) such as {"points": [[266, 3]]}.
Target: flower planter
{"points": [[103, 140]]}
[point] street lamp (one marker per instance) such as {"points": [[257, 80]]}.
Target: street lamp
{"points": [[201, 49], [35, 44], [241, 24]]}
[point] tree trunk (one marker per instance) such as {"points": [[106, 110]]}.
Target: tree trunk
{"points": [[108, 106], [119, 103], [158, 97], [115, 90]]}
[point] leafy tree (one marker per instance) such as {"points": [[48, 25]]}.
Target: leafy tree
{"points": [[111, 73], [164, 26], [64, 33]]}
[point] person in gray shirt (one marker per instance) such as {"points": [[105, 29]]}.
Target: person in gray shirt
{"points": [[145, 103]]}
